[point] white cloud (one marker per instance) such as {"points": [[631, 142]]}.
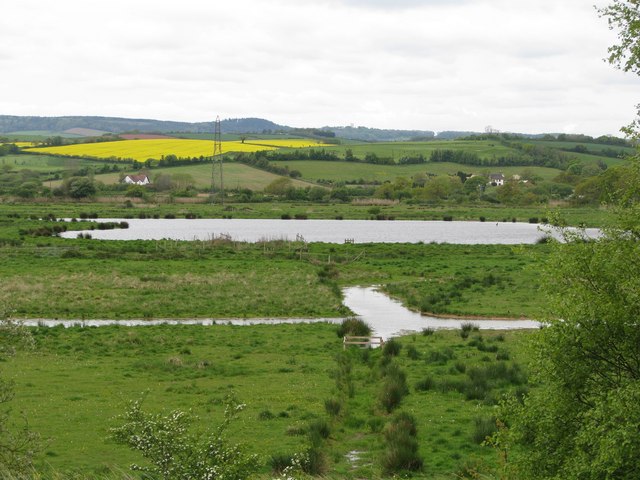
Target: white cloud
{"points": [[427, 64]]}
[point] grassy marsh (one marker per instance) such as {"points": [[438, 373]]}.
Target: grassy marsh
{"points": [[285, 370]]}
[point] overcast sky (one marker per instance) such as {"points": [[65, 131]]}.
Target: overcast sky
{"points": [[516, 65]]}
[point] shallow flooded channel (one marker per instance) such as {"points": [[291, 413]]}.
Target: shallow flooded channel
{"points": [[387, 317]]}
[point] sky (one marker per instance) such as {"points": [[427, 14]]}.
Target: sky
{"points": [[514, 65]]}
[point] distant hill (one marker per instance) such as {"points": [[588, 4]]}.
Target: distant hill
{"points": [[378, 135], [78, 126], [9, 124]]}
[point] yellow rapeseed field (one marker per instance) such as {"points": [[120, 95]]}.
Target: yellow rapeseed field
{"points": [[143, 150]]}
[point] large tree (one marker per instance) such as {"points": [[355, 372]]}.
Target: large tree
{"points": [[583, 419]]}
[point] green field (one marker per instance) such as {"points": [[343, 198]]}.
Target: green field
{"points": [[46, 163], [397, 150], [586, 159], [77, 381], [351, 171], [283, 373], [587, 216], [236, 176], [592, 147], [154, 279]]}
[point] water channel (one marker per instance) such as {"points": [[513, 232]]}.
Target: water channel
{"points": [[387, 317], [330, 231]]}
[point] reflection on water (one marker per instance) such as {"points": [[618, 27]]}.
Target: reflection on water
{"points": [[387, 317], [329, 231]]}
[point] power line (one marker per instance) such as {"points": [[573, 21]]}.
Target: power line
{"points": [[216, 163]]}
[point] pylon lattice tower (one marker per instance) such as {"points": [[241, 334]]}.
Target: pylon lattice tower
{"points": [[217, 178]]}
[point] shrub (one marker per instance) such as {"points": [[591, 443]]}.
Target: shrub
{"points": [[343, 377], [280, 461], [285, 216], [466, 328], [391, 348], [354, 326], [533, 220], [426, 332], [401, 445], [394, 387], [425, 384], [460, 367], [319, 428], [440, 356], [471, 469], [354, 422], [502, 355], [375, 424], [482, 219], [266, 415], [447, 218], [333, 406], [327, 273], [469, 327], [296, 430], [315, 462], [484, 427], [413, 353], [173, 450]]}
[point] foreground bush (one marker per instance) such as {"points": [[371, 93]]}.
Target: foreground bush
{"points": [[394, 387], [173, 452], [401, 445]]}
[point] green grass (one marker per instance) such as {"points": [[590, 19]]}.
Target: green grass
{"points": [[236, 175], [45, 163], [589, 216], [397, 150], [160, 280], [592, 147], [78, 380], [350, 171], [592, 159], [57, 278], [28, 135]]}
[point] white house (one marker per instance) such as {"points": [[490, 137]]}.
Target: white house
{"points": [[496, 179], [141, 179]]}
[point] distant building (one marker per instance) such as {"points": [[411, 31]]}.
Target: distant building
{"points": [[136, 179], [496, 179]]}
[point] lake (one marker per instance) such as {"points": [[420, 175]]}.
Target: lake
{"points": [[329, 231]]}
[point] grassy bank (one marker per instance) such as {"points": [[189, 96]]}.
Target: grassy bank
{"points": [[589, 216], [56, 278], [285, 374]]}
